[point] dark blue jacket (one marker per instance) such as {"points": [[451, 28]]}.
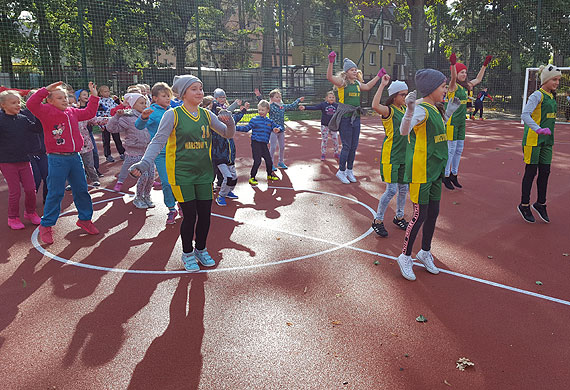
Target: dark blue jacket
{"points": [[36, 143], [16, 131], [224, 149], [261, 128], [327, 110]]}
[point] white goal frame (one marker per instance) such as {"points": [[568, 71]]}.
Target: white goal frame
{"points": [[527, 73]]}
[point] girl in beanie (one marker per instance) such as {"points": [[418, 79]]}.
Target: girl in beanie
{"points": [[347, 117], [458, 87], [392, 165], [539, 116], [426, 156], [187, 133]]}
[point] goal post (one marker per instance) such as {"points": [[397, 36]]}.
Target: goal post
{"points": [[532, 83]]}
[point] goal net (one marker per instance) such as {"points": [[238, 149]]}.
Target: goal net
{"points": [[532, 83]]}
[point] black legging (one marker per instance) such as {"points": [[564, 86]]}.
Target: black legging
{"points": [[478, 107], [425, 214], [541, 182], [202, 209]]}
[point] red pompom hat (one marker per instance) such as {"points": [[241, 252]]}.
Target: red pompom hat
{"points": [[459, 67]]}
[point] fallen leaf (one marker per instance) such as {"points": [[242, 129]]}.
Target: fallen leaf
{"points": [[393, 334], [565, 254], [539, 283], [489, 257], [463, 363], [278, 238], [289, 324], [406, 355], [336, 322], [345, 383], [24, 283], [447, 383], [376, 262], [338, 295], [455, 202], [421, 318], [305, 290]]}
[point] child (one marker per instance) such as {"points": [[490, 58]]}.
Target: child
{"points": [[63, 142], [14, 161], [426, 156], [135, 143], [456, 124], [277, 114], [328, 108], [161, 96], [86, 151], [539, 117], [261, 127], [479, 103], [393, 159], [347, 117], [186, 132], [37, 153], [106, 104]]}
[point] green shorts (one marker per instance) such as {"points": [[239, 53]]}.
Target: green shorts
{"points": [[188, 192], [423, 193], [541, 154], [392, 173]]}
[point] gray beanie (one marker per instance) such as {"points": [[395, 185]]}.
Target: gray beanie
{"points": [[218, 92], [181, 84], [428, 80], [347, 64]]}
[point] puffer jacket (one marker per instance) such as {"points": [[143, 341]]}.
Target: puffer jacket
{"points": [[135, 141]]}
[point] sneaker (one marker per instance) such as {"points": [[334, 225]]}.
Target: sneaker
{"points": [[282, 165], [336, 155], [273, 169], [148, 200], [539, 208], [45, 234], [122, 157], [323, 157], [231, 195], [99, 173], [157, 185], [171, 217], [110, 159], [350, 176], [406, 263], [252, 181], [342, 176], [139, 203], [87, 226], [204, 258], [221, 200], [15, 223], [180, 211], [481, 119], [96, 183], [401, 223], [68, 187], [189, 261], [526, 213], [272, 177], [33, 218], [379, 229], [447, 183], [118, 186], [426, 259], [454, 181]]}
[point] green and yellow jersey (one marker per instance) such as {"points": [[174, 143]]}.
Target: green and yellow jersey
{"points": [[350, 95], [394, 144], [545, 116], [456, 124]]}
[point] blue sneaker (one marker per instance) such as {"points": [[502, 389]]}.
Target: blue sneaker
{"points": [[221, 200], [273, 169], [282, 165], [231, 195], [204, 258], [189, 261]]}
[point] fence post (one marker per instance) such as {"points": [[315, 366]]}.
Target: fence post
{"points": [[537, 33], [199, 61], [81, 15]]}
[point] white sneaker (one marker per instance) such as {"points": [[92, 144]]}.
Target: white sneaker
{"points": [[426, 259], [147, 199], [406, 263], [350, 176], [342, 176], [139, 203]]}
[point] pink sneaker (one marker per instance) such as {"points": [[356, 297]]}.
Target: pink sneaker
{"points": [[45, 234], [157, 185], [33, 218], [15, 223], [87, 226], [118, 186]]}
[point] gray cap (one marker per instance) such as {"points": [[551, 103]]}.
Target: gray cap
{"points": [[181, 83], [347, 64], [428, 80], [218, 92]]}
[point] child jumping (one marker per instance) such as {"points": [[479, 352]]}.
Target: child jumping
{"points": [[393, 158], [186, 132], [479, 103], [135, 143], [15, 135], [261, 128], [539, 117], [63, 142], [327, 108]]}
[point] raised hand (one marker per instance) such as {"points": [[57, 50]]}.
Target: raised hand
{"points": [[487, 60], [256, 91], [92, 88], [146, 113], [381, 73], [332, 56], [452, 59], [385, 80], [301, 98], [54, 86], [411, 99]]}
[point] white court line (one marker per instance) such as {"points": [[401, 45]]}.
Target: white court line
{"points": [[347, 245]]}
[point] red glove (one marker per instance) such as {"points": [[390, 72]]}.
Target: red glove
{"points": [[452, 59], [487, 60], [381, 72], [544, 130], [332, 56]]}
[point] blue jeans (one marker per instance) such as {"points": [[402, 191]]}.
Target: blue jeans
{"points": [[454, 150], [391, 190], [349, 134], [95, 152], [61, 169], [160, 163]]}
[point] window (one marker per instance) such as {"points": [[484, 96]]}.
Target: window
{"points": [[408, 35], [315, 30], [373, 31], [387, 32], [334, 30], [315, 59], [398, 47], [372, 58]]}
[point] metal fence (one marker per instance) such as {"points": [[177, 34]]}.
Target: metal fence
{"points": [[240, 45]]}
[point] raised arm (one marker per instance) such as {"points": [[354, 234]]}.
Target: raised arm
{"points": [[34, 103], [481, 73], [336, 80], [369, 85], [376, 106], [294, 105], [84, 114], [453, 81]]}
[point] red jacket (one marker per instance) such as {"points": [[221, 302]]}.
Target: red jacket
{"points": [[61, 128]]}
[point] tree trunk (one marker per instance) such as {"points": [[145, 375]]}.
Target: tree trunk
{"points": [[268, 40], [98, 16], [419, 34], [43, 43]]}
